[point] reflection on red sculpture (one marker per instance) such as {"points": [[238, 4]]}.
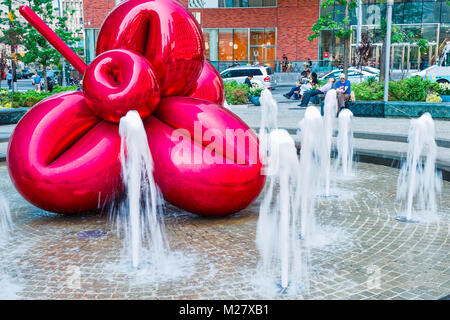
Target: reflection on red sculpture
{"points": [[64, 154]]}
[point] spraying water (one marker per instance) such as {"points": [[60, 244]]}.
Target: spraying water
{"points": [[269, 122], [345, 143], [5, 219], [140, 218], [277, 234], [330, 110], [313, 162], [418, 179]]}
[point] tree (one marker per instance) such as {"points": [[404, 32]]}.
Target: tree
{"points": [[12, 31], [38, 50], [341, 28]]}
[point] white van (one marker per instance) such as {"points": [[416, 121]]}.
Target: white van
{"points": [[264, 74]]}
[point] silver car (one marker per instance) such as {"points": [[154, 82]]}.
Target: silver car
{"points": [[263, 74], [354, 75]]}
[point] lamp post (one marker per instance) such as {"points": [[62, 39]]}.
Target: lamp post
{"points": [[390, 3], [63, 62]]}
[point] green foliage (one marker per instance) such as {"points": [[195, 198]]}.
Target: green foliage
{"points": [[326, 22], [38, 50], [29, 98], [433, 97], [255, 90], [411, 89], [236, 93], [370, 90], [444, 89]]}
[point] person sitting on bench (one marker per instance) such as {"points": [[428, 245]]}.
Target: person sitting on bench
{"points": [[343, 90], [312, 93]]}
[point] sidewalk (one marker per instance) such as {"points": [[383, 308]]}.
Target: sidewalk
{"points": [[369, 132]]}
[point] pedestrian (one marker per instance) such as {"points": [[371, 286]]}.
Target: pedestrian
{"points": [[9, 78], [310, 83], [36, 81], [343, 90], [312, 93], [284, 63], [248, 81]]}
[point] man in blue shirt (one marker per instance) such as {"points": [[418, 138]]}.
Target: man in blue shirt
{"points": [[36, 80], [343, 90], [9, 78]]}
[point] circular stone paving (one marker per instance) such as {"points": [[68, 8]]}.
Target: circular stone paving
{"points": [[361, 251]]}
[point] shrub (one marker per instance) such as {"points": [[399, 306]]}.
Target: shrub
{"points": [[433, 97], [411, 89], [256, 89], [31, 97], [444, 89], [236, 93], [369, 90]]}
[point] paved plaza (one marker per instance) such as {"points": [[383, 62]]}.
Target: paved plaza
{"points": [[361, 252]]}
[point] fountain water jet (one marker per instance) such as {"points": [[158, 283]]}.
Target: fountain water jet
{"points": [[418, 179], [140, 216], [345, 142], [313, 161], [5, 219], [277, 231], [269, 121], [330, 110]]}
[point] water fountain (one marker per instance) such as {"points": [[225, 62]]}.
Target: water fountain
{"points": [[344, 161], [313, 161], [139, 217], [278, 225], [330, 110], [269, 121], [418, 182], [5, 219]]}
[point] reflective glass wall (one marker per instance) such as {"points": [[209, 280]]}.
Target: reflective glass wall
{"points": [[427, 19], [231, 3]]}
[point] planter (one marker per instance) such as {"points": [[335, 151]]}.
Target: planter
{"points": [[255, 100], [445, 98], [11, 116]]}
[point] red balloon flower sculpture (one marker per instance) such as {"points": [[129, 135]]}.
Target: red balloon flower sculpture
{"points": [[64, 154]]}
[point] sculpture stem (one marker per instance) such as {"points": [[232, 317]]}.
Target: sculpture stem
{"points": [[53, 39]]}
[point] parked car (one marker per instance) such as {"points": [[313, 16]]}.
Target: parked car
{"points": [[440, 72], [262, 73], [27, 74], [355, 75]]}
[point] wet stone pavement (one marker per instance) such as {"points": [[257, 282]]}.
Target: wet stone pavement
{"points": [[361, 252]]}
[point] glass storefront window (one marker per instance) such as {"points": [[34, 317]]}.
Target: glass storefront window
{"points": [[234, 45], [240, 45], [225, 44]]}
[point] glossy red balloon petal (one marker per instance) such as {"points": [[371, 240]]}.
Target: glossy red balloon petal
{"points": [[203, 187], [207, 123], [208, 86], [165, 33], [118, 81], [63, 158]]}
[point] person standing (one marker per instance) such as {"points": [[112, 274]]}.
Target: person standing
{"points": [[9, 78], [36, 81], [314, 92], [343, 90], [284, 63]]}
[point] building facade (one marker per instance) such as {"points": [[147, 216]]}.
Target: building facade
{"points": [[248, 31], [262, 31]]}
